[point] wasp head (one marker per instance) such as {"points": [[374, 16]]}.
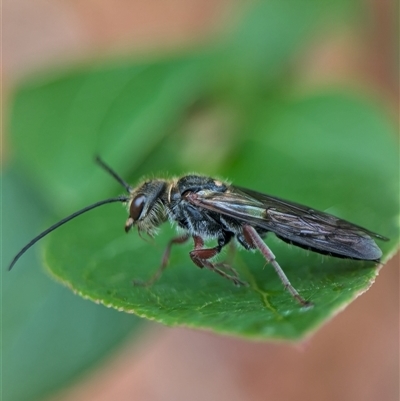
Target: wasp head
{"points": [[146, 207]]}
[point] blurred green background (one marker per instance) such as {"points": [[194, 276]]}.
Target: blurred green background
{"points": [[239, 105]]}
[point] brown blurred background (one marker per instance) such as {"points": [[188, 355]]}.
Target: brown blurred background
{"points": [[356, 355]]}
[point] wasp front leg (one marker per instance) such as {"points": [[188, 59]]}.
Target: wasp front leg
{"points": [[201, 257], [164, 262]]}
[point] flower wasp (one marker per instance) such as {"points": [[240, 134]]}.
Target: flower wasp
{"points": [[207, 208]]}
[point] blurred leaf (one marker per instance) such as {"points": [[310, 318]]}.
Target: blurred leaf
{"points": [[49, 335], [268, 37], [332, 151], [119, 110]]}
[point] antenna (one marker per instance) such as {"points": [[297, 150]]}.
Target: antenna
{"points": [[121, 198], [109, 170]]}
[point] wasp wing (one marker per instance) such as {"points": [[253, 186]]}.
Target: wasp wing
{"points": [[293, 223]]}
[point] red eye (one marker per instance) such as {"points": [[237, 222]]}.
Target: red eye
{"points": [[136, 207]]}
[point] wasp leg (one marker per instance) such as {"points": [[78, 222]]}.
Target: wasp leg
{"points": [[255, 241], [227, 264], [200, 257], [227, 267], [164, 262]]}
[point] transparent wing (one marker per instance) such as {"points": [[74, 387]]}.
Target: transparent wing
{"points": [[293, 223]]}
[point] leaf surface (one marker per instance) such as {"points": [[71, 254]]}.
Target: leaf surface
{"points": [[352, 174]]}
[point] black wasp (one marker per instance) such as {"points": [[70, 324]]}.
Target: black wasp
{"points": [[206, 208]]}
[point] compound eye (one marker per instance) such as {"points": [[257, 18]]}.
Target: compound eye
{"points": [[136, 207]]}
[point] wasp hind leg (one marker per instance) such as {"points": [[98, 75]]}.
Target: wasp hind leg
{"points": [[200, 257], [254, 240]]}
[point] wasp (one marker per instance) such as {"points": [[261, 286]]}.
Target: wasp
{"points": [[207, 208]]}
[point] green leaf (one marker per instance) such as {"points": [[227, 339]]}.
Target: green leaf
{"points": [[331, 151], [49, 335]]}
